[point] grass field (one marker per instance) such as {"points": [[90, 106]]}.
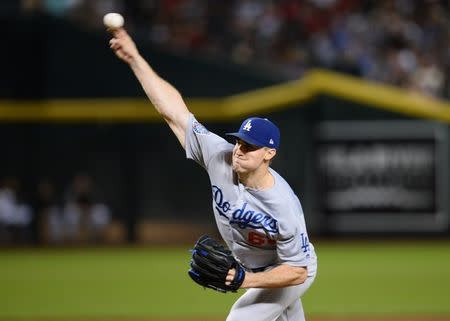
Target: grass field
{"points": [[394, 279]]}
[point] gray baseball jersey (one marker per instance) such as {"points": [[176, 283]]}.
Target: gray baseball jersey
{"points": [[262, 228]]}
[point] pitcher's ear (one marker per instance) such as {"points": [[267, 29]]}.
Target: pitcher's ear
{"points": [[270, 153]]}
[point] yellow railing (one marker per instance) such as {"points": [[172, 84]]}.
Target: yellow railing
{"points": [[261, 101]]}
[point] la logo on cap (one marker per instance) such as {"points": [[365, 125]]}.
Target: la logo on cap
{"points": [[248, 126], [259, 132]]}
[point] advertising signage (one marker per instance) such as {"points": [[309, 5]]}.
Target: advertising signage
{"points": [[382, 176]]}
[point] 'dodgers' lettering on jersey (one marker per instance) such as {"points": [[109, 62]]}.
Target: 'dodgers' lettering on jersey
{"points": [[244, 217], [222, 206]]}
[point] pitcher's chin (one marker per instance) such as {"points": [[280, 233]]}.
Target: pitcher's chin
{"points": [[237, 168]]}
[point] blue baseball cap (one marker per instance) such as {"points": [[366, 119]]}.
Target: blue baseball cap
{"points": [[260, 132]]}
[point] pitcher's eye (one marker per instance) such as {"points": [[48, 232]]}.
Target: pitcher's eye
{"points": [[246, 146]]}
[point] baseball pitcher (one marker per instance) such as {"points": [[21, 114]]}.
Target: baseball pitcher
{"points": [[259, 217]]}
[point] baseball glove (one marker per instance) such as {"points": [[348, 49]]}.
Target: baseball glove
{"points": [[210, 265]]}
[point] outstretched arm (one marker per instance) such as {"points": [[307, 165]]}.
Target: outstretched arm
{"points": [[166, 99]]}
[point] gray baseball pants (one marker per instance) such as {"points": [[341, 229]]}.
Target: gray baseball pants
{"points": [[282, 304]]}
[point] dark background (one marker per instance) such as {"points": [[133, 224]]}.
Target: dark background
{"points": [[139, 168]]}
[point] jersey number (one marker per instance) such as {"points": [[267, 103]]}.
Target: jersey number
{"points": [[259, 239]]}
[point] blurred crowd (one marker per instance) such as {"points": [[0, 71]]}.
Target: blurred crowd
{"points": [[78, 217], [405, 43]]}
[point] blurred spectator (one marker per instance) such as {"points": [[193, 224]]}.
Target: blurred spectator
{"points": [[399, 42], [15, 216], [85, 219], [49, 222], [82, 218], [54, 7]]}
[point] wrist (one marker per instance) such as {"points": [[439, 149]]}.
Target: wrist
{"points": [[249, 280], [137, 62]]}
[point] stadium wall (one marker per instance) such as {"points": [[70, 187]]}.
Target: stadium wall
{"points": [[64, 115]]}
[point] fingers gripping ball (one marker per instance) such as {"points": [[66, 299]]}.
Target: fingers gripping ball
{"points": [[113, 20], [210, 264]]}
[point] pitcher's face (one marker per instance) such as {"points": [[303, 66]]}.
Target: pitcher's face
{"points": [[248, 158]]}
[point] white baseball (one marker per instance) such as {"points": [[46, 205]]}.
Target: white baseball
{"points": [[113, 20]]}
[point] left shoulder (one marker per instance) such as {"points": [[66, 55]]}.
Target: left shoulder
{"points": [[285, 200], [282, 186]]}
